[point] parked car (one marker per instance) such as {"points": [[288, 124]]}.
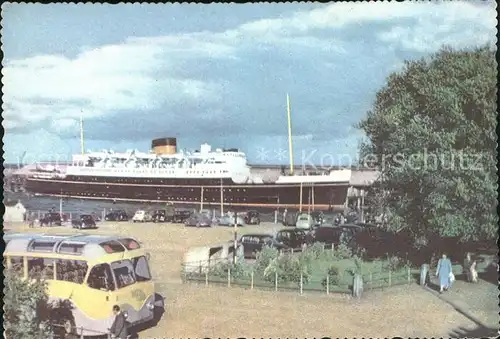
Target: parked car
{"points": [[317, 218], [333, 235], [253, 244], [141, 216], [118, 215], [304, 221], [351, 228], [373, 239], [50, 219], [96, 217], [181, 216], [252, 218], [228, 220], [294, 239], [83, 221], [330, 221], [198, 220], [159, 216]]}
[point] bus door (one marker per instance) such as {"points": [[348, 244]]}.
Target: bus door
{"points": [[96, 298], [133, 282], [127, 290]]}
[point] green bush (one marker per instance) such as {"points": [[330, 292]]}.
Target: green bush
{"points": [[26, 308], [358, 266], [240, 270], [264, 258], [343, 251], [334, 277], [315, 251], [289, 268], [395, 263]]}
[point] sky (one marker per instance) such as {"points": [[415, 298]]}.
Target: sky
{"points": [[216, 74]]}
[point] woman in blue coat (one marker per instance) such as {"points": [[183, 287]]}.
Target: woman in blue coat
{"points": [[443, 272]]}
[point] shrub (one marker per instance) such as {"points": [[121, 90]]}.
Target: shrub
{"points": [[315, 250], [289, 268], [361, 252], [334, 277], [358, 266], [395, 263], [26, 308], [240, 270], [343, 251], [265, 257]]}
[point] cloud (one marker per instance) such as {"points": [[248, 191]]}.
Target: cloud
{"points": [[231, 84]]}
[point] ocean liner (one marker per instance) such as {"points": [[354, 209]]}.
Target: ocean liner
{"points": [[203, 177]]}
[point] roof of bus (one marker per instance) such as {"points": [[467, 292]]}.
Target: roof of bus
{"points": [[90, 246]]}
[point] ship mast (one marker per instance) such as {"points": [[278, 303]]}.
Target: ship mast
{"points": [[82, 148], [290, 149]]}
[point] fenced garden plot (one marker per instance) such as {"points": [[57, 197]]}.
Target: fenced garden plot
{"points": [[315, 269]]}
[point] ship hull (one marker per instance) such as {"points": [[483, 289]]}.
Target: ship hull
{"points": [[320, 196]]}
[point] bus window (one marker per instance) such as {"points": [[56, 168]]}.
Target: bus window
{"points": [[17, 265], [124, 273], [112, 246], [130, 244], [71, 248], [141, 269], [41, 267], [71, 270], [100, 278]]}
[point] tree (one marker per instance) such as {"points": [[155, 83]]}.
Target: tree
{"points": [[26, 308], [431, 133]]}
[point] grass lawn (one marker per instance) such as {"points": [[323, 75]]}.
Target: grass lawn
{"points": [[375, 275]]}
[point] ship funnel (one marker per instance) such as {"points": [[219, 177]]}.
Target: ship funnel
{"points": [[164, 146]]}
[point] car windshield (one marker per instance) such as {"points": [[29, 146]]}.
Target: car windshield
{"points": [[86, 217]]}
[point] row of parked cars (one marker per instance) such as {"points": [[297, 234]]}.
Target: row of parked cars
{"points": [[161, 215], [206, 219], [80, 221], [298, 238], [188, 217]]}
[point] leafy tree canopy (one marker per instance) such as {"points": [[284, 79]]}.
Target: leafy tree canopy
{"points": [[432, 134]]}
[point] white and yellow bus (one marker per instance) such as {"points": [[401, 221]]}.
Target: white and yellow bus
{"points": [[91, 272]]}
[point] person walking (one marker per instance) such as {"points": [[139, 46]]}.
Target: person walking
{"points": [[119, 327], [470, 268], [467, 266], [444, 271]]}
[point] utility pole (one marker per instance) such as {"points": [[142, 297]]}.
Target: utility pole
{"points": [[300, 203], [82, 147], [290, 147], [309, 202], [235, 236], [312, 188], [60, 204], [201, 200], [221, 199]]}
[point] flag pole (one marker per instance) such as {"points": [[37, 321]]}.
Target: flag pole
{"points": [[290, 148], [82, 148]]}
